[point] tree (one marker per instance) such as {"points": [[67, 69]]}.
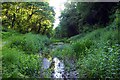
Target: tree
{"points": [[78, 17], [25, 17]]}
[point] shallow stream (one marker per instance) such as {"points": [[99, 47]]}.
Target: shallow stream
{"points": [[59, 67]]}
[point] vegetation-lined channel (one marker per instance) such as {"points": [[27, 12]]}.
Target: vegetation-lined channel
{"points": [[58, 65], [85, 44]]}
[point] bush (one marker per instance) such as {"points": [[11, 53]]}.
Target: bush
{"points": [[100, 65], [80, 47], [7, 34], [111, 36], [30, 43], [68, 51], [65, 52], [97, 53], [10, 60], [16, 64], [29, 65], [33, 42], [10, 55]]}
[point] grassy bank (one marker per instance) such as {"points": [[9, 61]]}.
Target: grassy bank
{"points": [[20, 57], [96, 53]]}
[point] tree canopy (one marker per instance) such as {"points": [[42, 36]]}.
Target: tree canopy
{"points": [[25, 17], [80, 17]]}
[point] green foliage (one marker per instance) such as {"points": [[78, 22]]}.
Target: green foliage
{"points": [[68, 51], [79, 18], [9, 33], [30, 65], [35, 42], [96, 53], [61, 53], [10, 59], [100, 65], [10, 55], [101, 59], [54, 40], [28, 17], [16, 64], [30, 43], [80, 47]]}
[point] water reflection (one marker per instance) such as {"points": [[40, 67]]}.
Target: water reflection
{"points": [[58, 67]]}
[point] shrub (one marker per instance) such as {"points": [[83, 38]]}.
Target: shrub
{"points": [[80, 47], [99, 65], [100, 53], [65, 52], [68, 51], [16, 64], [10, 55], [30, 43], [29, 65], [57, 53], [6, 35], [10, 59], [33, 42]]}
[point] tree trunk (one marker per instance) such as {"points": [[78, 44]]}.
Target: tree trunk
{"points": [[44, 30], [30, 16], [39, 27], [13, 20]]}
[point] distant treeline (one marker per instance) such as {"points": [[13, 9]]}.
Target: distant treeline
{"points": [[82, 17]]}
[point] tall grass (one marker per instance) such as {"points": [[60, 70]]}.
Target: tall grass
{"points": [[30, 43], [17, 64], [100, 64], [17, 61], [80, 47], [101, 59], [65, 52]]}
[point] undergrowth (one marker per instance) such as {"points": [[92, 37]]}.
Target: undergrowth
{"points": [[20, 54], [96, 53]]}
